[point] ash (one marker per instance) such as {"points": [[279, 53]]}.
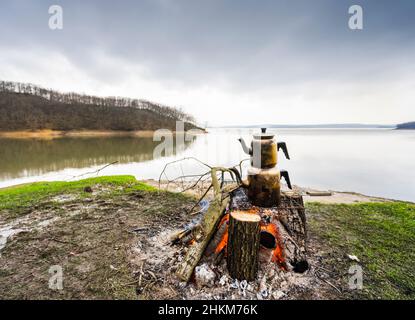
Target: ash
{"points": [[156, 262]]}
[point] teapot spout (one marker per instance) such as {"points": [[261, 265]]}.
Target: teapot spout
{"points": [[245, 147]]}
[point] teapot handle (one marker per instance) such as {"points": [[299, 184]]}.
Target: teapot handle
{"points": [[283, 146], [285, 175]]}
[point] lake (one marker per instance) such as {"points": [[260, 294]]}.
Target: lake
{"points": [[377, 162]]}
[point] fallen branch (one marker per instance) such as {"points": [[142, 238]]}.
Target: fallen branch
{"points": [[204, 232], [96, 171]]}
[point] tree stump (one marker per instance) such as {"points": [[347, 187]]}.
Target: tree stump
{"points": [[243, 245], [289, 218]]}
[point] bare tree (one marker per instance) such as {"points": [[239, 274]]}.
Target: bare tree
{"points": [[74, 98]]}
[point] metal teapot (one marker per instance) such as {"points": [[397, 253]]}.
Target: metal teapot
{"points": [[264, 178], [264, 186], [264, 150]]}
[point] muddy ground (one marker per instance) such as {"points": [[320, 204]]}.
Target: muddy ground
{"points": [[115, 246]]}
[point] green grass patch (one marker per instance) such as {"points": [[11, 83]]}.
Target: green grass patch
{"points": [[382, 235], [23, 196]]}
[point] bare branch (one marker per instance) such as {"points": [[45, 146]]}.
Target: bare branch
{"points": [[96, 171]]}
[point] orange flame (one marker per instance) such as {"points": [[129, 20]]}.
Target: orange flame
{"points": [[278, 255], [224, 241]]}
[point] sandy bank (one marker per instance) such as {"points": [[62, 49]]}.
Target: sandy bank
{"points": [[334, 197], [52, 134]]}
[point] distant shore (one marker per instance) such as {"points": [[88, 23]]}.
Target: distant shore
{"points": [[51, 134]]}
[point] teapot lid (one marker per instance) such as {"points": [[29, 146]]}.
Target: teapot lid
{"points": [[263, 135]]}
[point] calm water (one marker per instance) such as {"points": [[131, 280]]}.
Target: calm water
{"points": [[371, 161]]}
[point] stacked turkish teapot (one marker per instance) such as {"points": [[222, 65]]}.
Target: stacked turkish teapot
{"points": [[264, 178]]}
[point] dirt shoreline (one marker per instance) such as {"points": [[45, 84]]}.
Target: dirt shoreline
{"points": [[51, 134], [335, 197]]}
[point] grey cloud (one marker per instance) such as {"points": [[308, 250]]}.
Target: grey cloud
{"points": [[253, 43], [286, 47]]}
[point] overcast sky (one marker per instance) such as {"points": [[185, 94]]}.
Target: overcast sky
{"points": [[225, 62]]}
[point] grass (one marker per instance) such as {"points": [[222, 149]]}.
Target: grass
{"points": [[26, 195], [382, 235]]}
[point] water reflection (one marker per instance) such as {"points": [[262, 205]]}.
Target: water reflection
{"points": [[31, 157], [374, 162]]}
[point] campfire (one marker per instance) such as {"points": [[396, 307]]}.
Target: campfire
{"points": [[248, 224], [273, 236], [282, 233]]}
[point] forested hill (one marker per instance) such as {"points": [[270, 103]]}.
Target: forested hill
{"points": [[29, 107], [407, 125]]}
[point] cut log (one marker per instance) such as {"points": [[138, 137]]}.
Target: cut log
{"points": [[202, 236], [243, 245]]}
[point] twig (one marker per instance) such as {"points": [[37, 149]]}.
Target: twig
{"points": [[195, 184], [181, 168], [328, 282], [319, 267], [200, 199], [103, 230], [141, 274], [163, 172], [136, 230], [240, 164], [96, 171], [98, 221], [129, 283], [62, 241], [135, 281]]}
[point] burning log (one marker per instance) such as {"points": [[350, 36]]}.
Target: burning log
{"points": [[220, 239], [270, 239], [204, 232], [243, 245], [202, 237]]}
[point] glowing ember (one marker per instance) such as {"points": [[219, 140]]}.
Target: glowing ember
{"points": [[269, 229], [278, 252], [224, 241]]}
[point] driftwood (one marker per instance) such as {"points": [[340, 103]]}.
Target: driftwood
{"points": [[243, 245]]}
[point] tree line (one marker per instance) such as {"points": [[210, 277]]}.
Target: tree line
{"points": [[83, 99], [407, 125], [25, 106]]}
